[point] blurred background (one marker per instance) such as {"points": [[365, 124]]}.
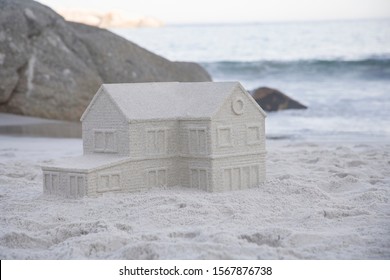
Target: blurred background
{"points": [[332, 56], [233, 11]]}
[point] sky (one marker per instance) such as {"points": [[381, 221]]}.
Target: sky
{"points": [[225, 11]]}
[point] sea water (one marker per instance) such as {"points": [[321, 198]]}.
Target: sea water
{"points": [[339, 69]]}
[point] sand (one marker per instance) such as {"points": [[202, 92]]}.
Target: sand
{"points": [[321, 200]]}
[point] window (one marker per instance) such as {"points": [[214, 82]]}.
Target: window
{"points": [[241, 177], [51, 183], [105, 141], [157, 177], [197, 141], [199, 179], [156, 141], [253, 135], [109, 182], [76, 185], [224, 136], [238, 105]]}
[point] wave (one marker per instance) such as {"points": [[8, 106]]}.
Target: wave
{"points": [[369, 68]]}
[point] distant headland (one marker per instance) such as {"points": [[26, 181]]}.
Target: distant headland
{"points": [[109, 19]]}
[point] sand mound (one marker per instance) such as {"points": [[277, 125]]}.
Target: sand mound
{"points": [[320, 201]]}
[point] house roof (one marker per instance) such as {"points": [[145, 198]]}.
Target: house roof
{"points": [[86, 163], [169, 100]]}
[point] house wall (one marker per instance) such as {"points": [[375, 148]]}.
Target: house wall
{"points": [[236, 173], [134, 176], [195, 173], [105, 117], [234, 133], [238, 144], [195, 138], [165, 139], [195, 154], [65, 183], [124, 176]]}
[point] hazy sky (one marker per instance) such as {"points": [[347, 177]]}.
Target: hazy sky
{"points": [[203, 11]]}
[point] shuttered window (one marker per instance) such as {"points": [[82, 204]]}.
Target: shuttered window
{"points": [[156, 141], [197, 141], [105, 141]]}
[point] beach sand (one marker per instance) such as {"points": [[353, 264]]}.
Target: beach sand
{"points": [[320, 201]]}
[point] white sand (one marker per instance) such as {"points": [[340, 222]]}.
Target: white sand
{"points": [[321, 201]]}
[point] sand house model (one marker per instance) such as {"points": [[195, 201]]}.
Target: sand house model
{"points": [[207, 135]]}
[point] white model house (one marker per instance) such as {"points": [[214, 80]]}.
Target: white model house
{"points": [[207, 135]]}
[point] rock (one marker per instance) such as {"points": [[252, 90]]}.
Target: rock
{"points": [[51, 68], [273, 100]]}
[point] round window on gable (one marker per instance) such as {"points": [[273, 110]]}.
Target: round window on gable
{"points": [[238, 105]]}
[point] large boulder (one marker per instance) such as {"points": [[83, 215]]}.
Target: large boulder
{"points": [[273, 100], [51, 68]]}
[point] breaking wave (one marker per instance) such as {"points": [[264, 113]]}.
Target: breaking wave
{"points": [[368, 68]]}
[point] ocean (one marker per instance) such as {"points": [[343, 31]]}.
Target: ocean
{"points": [[339, 69]]}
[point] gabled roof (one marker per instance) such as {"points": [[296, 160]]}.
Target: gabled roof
{"points": [[168, 100]]}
